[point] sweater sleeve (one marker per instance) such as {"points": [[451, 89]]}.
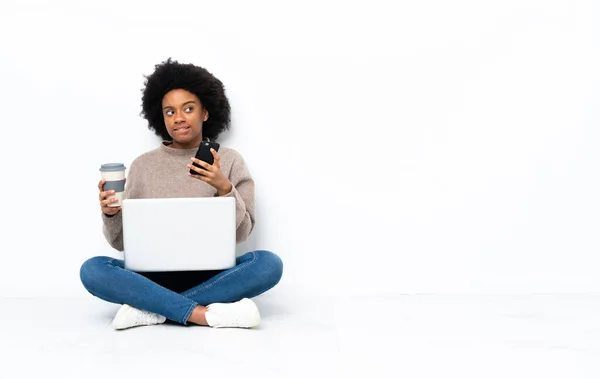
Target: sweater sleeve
{"points": [[113, 230], [243, 192], [113, 225]]}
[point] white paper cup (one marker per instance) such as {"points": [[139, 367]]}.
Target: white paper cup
{"points": [[114, 174]]}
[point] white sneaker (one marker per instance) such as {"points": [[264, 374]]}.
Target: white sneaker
{"points": [[128, 317], [241, 314]]}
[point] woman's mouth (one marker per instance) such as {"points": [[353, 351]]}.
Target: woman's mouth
{"points": [[182, 129]]}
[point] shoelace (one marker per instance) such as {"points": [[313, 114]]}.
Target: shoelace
{"points": [[143, 317]]}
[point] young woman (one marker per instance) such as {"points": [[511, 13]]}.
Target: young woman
{"points": [[184, 104]]}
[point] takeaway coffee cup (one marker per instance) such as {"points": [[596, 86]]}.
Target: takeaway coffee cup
{"points": [[114, 174]]}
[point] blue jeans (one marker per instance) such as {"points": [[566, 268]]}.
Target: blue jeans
{"points": [[255, 272]]}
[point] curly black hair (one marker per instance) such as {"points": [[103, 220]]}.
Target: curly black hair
{"points": [[170, 75]]}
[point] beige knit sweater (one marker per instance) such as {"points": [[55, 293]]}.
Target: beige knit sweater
{"points": [[163, 173]]}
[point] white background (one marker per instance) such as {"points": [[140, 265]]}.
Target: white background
{"points": [[397, 147]]}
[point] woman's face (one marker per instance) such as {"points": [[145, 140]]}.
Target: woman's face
{"points": [[183, 114]]}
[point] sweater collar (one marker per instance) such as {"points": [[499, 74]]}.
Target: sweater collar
{"points": [[167, 149]]}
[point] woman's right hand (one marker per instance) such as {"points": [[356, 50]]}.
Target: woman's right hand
{"points": [[109, 211]]}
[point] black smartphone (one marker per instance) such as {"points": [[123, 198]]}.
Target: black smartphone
{"points": [[204, 154]]}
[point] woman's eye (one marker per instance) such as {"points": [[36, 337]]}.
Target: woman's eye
{"points": [[189, 109], [169, 113]]}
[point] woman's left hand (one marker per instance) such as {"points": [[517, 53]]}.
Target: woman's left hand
{"points": [[212, 174]]}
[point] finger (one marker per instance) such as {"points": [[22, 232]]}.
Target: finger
{"points": [[198, 170], [105, 202], [111, 211], [200, 177], [216, 156], [201, 163], [105, 194]]}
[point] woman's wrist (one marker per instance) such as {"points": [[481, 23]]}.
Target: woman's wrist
{"points": [[225, 189]]}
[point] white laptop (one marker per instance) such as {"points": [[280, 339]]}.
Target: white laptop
{"points": [[179, 234]]}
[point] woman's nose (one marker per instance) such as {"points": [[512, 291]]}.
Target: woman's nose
{"points": [[179, 117]]}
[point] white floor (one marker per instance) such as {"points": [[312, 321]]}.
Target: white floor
{"points": [[419, 336]]}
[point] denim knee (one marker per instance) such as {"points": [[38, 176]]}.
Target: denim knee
{"points": [[271, 267], [91, 272]]}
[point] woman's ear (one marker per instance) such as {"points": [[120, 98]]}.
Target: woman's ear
{"points": [[205, 115]]}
